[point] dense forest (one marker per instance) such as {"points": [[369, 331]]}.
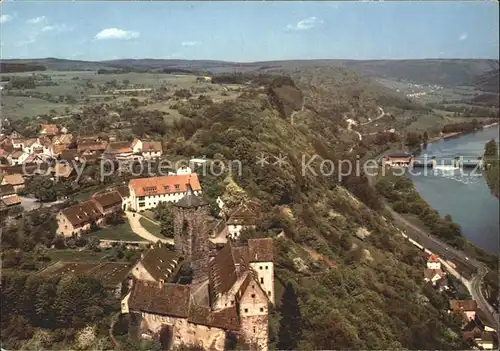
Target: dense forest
{"points": [[11, 67]]}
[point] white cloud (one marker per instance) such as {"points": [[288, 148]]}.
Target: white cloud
{"points": [[56, 28], [116, 33], [5, 18], [37, 20], [305, 24], [190, 43], [463, 36]]}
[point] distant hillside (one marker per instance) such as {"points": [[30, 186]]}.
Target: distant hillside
{"points": [[429, 72], [488, 81], [15, 67], [446, 72]]}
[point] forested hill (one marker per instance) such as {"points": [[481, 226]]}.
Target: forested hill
{"points": [[446, 72], [350, 280], [488, 81]]}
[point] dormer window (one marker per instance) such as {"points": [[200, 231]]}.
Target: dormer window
{"points": [[177, 187]]}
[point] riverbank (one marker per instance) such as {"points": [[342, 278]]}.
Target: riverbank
{"points": [[444, 136]]}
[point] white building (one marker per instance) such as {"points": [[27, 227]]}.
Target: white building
{"points": [[146, 193], [433, 262]]}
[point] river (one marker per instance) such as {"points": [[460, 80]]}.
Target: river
{"points": [[463, 194]]}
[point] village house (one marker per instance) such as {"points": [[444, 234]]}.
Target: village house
{"points": [[245, 216], [146, 193], [90, 145], [15, 135], [17, 157], [80, 218], [49, 130], [32, 145], [433, 275], [15, 179], [18, 144], [8, 197], [476, 332], [464, 308], [398, 160], [433, 262], [136, 146], [151, 149], [119, 150]]}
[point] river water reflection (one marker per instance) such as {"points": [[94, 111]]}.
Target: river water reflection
{"points": [[463, 194]]}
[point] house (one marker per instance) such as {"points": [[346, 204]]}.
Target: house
{"points": [[48, 130], [15, 135], [479, 334], [433, 262], [30, 145], [90, 145], [465, 308], [15, 179], [151, 149], [108, 202], [245, 216], [62, 170], [17, 157], [119, 150], [159, 264], [146, 193], [8, 196], [136, 146], [62, 139], [18, 144], [78, 219], [398, 160], [433, 275], [35, 158], [183, 170]]}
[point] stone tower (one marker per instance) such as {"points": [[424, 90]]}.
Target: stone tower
{"points": [[191, 234]]}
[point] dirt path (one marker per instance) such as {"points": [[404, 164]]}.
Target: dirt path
{"points": [[133, 219]]}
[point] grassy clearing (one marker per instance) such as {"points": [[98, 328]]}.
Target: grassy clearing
{"points": [[117, 232], [150, 226]]}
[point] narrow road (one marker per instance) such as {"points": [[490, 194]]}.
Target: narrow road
{"points": [[133, 219], [437, 246], [349, 127], [301, 110]]}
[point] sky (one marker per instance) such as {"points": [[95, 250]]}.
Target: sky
{"points": [[249, 31]]}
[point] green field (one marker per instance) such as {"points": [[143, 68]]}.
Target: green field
{"points": [[150, 227], [117, 232]]}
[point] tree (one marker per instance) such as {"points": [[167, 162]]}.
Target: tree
{"points": [[291, 320], [164, 212]]}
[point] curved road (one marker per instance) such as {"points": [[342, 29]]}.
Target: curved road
{"points": [[447, 252], [349, 127]]}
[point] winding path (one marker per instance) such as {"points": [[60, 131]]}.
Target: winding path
{"points": [[349, 127], [133, 219]]}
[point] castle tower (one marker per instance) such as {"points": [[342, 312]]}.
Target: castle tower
{"points": [[190, 234]]}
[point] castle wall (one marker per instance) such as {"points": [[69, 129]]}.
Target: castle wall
{"points": [[185, 332], [229, 299], [254, 317]]}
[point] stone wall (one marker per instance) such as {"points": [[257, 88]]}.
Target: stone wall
{"points": [[185, 332], [265, 276]]}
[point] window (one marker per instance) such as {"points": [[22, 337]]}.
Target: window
{"points": [[254, 330], [232, 303], [261, 309], [266, 267], [177, 187], [260, 267], [262, 280], [269, 293], [246, 310], [253, 295]]}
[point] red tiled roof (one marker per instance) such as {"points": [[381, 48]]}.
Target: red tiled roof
{"points": [[109, 199], [222, 272], [50, 129], [151, 146], [433, 258], [261, 250], [81, 214], [246, 213], [430, 273], [168, 299], [226, 319], [13, 179], [164, 185], [119, 147], [463, 305]]}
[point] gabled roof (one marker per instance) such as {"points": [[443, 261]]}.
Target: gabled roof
{"points": [[50, 129], [7, 189], [431, 273], [81, 214], [222, 271], [164, 185], [400, 155], [109, 199], [12, 200], [151, 146], [189, 199], [463, 305], [119, 147], [261, 250], [13, 179], [159, 260], [167, 299], [226, 319], [63, 139], [247, 213]]}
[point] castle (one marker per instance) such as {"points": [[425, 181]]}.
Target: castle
{"points": [[230, 291]]}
